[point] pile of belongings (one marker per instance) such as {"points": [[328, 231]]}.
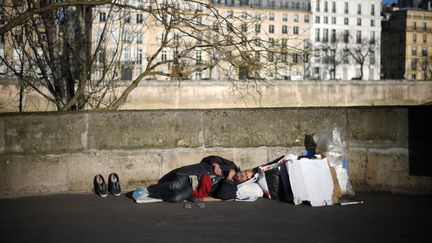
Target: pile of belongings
{"points": [[319, 175]]}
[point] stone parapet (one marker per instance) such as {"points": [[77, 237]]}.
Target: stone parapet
{"points": [[43, 153]]}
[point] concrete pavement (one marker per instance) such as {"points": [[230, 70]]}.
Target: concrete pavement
{"points": [[89, 218]]}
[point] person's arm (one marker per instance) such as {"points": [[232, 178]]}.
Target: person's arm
{"points": [[219, 164]]}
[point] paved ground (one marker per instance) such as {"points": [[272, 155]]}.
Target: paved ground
{"points": [[88, 218]]}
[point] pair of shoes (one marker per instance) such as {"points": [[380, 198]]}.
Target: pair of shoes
{"points": [[101, 189]]}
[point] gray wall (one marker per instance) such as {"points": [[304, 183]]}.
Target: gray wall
{"points": [[43, 153]]}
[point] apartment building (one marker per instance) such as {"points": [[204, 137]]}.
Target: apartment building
{"points": [[283, 27], [407, 45], [287, 39], [345, 36], [278, 32]]}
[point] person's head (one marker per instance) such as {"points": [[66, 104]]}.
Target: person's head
{"points": [[243, 175]]}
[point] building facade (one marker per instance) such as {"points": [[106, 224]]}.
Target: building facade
{"points": [[345, 36], [407, 45], [285, 39]]}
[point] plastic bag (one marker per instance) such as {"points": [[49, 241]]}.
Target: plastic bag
{"points": [[329, 144]]}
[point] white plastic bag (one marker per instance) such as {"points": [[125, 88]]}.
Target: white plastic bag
{"points": [[329, 144]]}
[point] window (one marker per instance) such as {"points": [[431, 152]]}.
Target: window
{"points": [[230, 14], [270, 57], [359, 37], [296, 18], [333, 36], [102, 17], [414, 51], [359, 21], [345, 58], [306, 18], [244, 15], [372, 22], [296, 30], [139, 56], [325, 35], [318, 5], [333, 20], [284, 29], [244, 27], [346, 21], [373, 10], [140, 38], [295, 57], [333, 7], [325, 20], [257, 28], [244, 2], [271, 28], [359, 9], [258, 16], [317, 19], [257, 55], [325, 6], [317, 35], [126, 54], [127, 18], [424, 38], [284, 42], [285, 17], [415, 37], [424, 51], [414, 64], [372, 58], [198, 75], [414, 25], [198, 57], [271, 16], [424, 65], [372, 40], [424, 26], [284, 57], [139, 18], [346, 36], [346, 9], [272, 42], [163, 55]]}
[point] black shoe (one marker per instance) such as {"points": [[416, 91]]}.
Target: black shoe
{"points": [[114, 184], [100, 187]]}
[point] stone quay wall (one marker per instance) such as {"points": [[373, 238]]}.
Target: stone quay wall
{"points": [[61, 152]]}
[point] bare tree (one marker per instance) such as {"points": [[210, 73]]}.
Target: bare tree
{"points": [[363, 52], [78, 54], [333, 53]]}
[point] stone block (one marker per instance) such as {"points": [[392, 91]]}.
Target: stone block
{"points": [[44, 133], [313, 120], [134, 168], [248, 158], [387, 171], [251, 128], [32, 175], [2, 136], [144, 129], [386, 126], [357, 168]]}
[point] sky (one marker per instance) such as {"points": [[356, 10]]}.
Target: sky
{"points": [[389, 1]]}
